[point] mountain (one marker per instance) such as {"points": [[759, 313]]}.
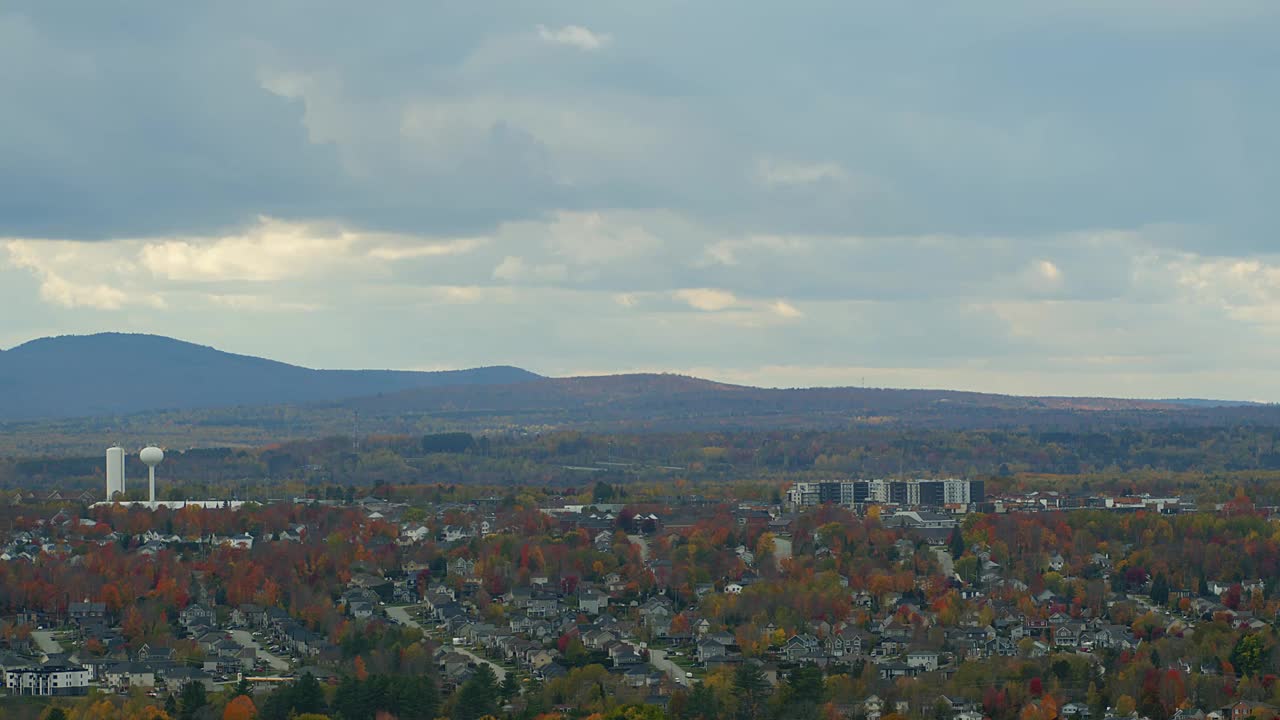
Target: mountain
{"points": [[673, 402], [114, 373]]}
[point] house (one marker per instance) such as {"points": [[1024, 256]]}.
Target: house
{"points": [[177, 677], [197, 614], [592, 601], [894, 670], [709, 649], [926, 660], [462, 567], [80, 612], [799, 646], [131, 674], [156, 655], [1246, 709], [873, 707]]}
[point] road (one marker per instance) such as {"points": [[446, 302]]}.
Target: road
{"points": [[658, 659], [46, 643], [944, 559], [401, 615], [644, 546], [245, 638]]}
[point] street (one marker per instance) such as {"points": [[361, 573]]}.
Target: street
{"points": [[658, 659], [244, 637], [401, 615]]}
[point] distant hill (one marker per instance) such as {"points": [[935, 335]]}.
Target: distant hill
{"points": [[673, 402], [115, 374]]}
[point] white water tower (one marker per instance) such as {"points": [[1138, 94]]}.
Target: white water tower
{"points": [[115, 472], [152, 456]]}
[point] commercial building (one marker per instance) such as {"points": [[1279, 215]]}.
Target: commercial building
{"points": [[50, 678], [914, 493]]}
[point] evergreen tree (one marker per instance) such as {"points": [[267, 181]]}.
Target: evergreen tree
{"points": [[1160, 589], [308, 697], [803, 693], [956, 543], [478, 696], [751, 687], [702, 704], [192, 698]]}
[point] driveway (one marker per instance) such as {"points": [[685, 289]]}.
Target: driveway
{"points": [[46, 643], [401, 615], [245, 638], [658, 659]]}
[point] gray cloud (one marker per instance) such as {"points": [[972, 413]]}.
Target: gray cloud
{"points": [[774, 191]]}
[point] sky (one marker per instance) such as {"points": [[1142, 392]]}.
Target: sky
{"points": [[1040, 198]]}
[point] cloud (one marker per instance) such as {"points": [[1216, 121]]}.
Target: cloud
{"points": [[1019, 185], [574, 36], [55, 264], [515, 269], [706, 299], [778, 173], [430, 249], [785, 309], [271, 250]]}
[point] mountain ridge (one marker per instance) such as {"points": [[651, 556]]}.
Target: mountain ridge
{"points": [[122, 373]]}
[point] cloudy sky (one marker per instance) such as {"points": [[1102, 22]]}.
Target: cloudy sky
{"points": [[996, 196]]}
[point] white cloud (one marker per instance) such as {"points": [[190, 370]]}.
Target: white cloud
{"points": [[574, 36], [259, 303], [71, 275], [784, 309], [706, 299], [271, 250], [726, 252], [430, 249], [515, 269], [594, 238], [779, 173]]}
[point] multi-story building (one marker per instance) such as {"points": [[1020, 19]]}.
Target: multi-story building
{"points": [[915, 493], [50, 678]]}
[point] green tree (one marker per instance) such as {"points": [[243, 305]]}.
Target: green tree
{"points": [[702, 704], [752, 688], [603, 492], [191, 699], [956, 543], [1247, 655], [1160, 589], [478, 696]]}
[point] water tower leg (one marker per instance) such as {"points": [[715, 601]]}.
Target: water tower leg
{"points": [[153, 483]]}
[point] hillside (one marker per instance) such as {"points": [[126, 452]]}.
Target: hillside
{"points": [[678, 402], [114, 374]]}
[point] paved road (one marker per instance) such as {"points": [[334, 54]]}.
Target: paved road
{"points": [[245, 638], [46, 643], [945, 560], [644, 546], [401, 615], [658, 659]]}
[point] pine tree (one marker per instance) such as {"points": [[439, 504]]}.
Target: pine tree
{"points": [[956, 543], [478, 696], [192, 698], [751, 687]]}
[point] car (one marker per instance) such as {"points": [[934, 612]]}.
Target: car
{"points": [[688, 674]]}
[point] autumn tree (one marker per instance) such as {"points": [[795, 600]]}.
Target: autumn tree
{"points": [[239, 708]]}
